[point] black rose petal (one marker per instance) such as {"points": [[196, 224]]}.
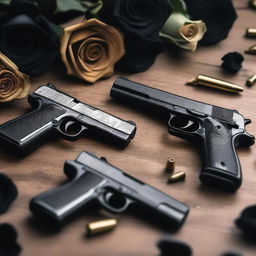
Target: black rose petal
{"points": [[8, 192], [140, 54], [138, 17], [27, 38], [8, 244], [169, 246], [218, 15], [232, 62], [231, 254], [7, 233], [247, 221]]}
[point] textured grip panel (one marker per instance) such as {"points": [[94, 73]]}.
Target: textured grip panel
{"points": [[221, 165], [58, 204], [26, 132]]}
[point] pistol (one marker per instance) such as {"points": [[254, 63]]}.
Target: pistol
{"points": [[93, 181], [217, 131], [56, 113]]}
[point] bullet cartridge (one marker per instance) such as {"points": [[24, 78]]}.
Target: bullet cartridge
{"points": [[207, 81], [170, 164], [251, 50], [175, 177], [250, 32], [251, 80], [252, 4], [98, 227]]}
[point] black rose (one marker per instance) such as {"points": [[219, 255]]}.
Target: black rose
{"points": [[139, 17], [218, 15], [140, 54], [27, 38], [232, 62]]}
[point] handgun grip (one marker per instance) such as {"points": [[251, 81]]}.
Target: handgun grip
{"points": [[57, 204], [221, 166], [25, 133]]}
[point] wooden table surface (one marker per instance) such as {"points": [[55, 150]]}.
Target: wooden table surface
{"points": [[209, 228]]}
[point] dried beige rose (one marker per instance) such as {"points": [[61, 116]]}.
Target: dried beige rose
{"points": [[90, 49], [13, 83], [182, 31]]}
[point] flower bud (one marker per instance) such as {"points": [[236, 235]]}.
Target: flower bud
{"points": [[182, 31]]}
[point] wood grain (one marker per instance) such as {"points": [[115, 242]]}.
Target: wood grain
{"points": [[209, 228]]}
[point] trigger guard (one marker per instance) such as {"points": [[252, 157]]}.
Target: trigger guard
{"points": [[192, 136], [65, 135], [102, 199], [184, 127]]}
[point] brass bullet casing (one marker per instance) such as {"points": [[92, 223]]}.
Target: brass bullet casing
{"points": [[207, 81], [251, 80], [250, 32], [170, 164], [251, 50], [252, 4], [102, 226], [175, 177]]}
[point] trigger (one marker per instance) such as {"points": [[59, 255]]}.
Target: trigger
{"points": [[104, 159]]}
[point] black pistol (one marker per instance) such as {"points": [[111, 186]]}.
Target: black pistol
{"points": [[218, 131], [58, 113], [93, 180]]}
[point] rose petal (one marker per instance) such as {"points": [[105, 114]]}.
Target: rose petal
{"points": [[169, 245], [8, 192], [232, 62], [8, 243], [247, 221]]}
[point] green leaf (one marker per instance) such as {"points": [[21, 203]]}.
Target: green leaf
{"points": [[5, 2], [179, 6], [94, 9], [69, 5], [57, 29], [89, 3]]}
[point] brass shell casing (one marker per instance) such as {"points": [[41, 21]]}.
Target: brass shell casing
{"points": [[178, 176], [98, 227], [251, 80], [251, 50], [207, 81], [250, 32], [170, 165], [252, 4]]}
